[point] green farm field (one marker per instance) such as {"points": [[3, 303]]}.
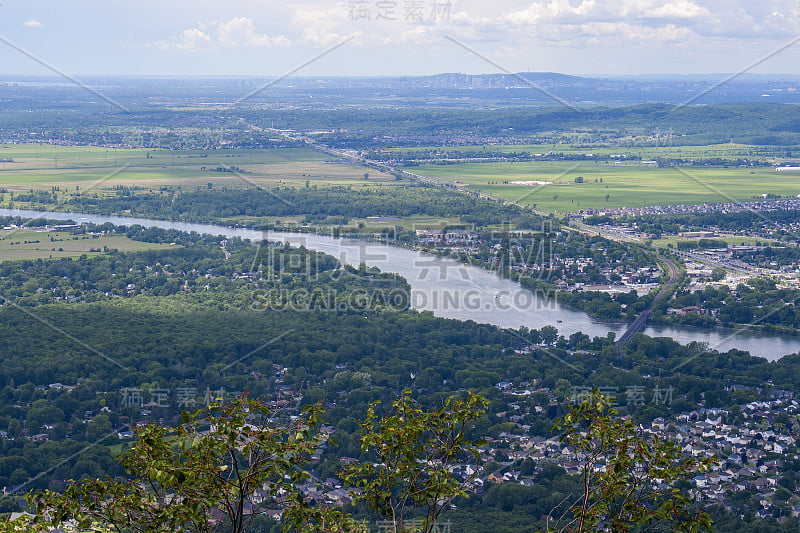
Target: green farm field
{"points": [[366, 225], [44, 166], [16, 244], [728, 150], [613, 186], [733, 240]]}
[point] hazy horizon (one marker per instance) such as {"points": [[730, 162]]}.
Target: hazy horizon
{"points": [[652, 76]]}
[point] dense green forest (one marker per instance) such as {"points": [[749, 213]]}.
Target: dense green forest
{"points": [[369, 127], [759, 303], [69, 371], [337, 203], [763, 124], [226, 267]]}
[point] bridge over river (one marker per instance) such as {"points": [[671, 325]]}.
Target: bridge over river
{"points": [[641, 320]]}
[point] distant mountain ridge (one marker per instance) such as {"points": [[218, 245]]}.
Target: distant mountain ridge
{"points": [[444, 89], [509, 80]]}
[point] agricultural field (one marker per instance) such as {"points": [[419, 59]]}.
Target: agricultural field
{"points": [[727, 150], [366, 225], [16, 244], [71, 168], [612, 186], [411, 223], [731, 240]]}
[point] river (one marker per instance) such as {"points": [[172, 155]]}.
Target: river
{"points": [[452, 289]]}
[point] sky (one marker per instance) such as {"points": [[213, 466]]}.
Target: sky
{"points": [[398, 37]]}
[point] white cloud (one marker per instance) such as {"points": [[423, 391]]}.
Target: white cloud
{"points": [[241, 31], [565, 22], [517, 23], [679, 9], [238, 32], [578, 23], [191, 40], [569, 35], [32, 23], [669, 33], [324, 25]]}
